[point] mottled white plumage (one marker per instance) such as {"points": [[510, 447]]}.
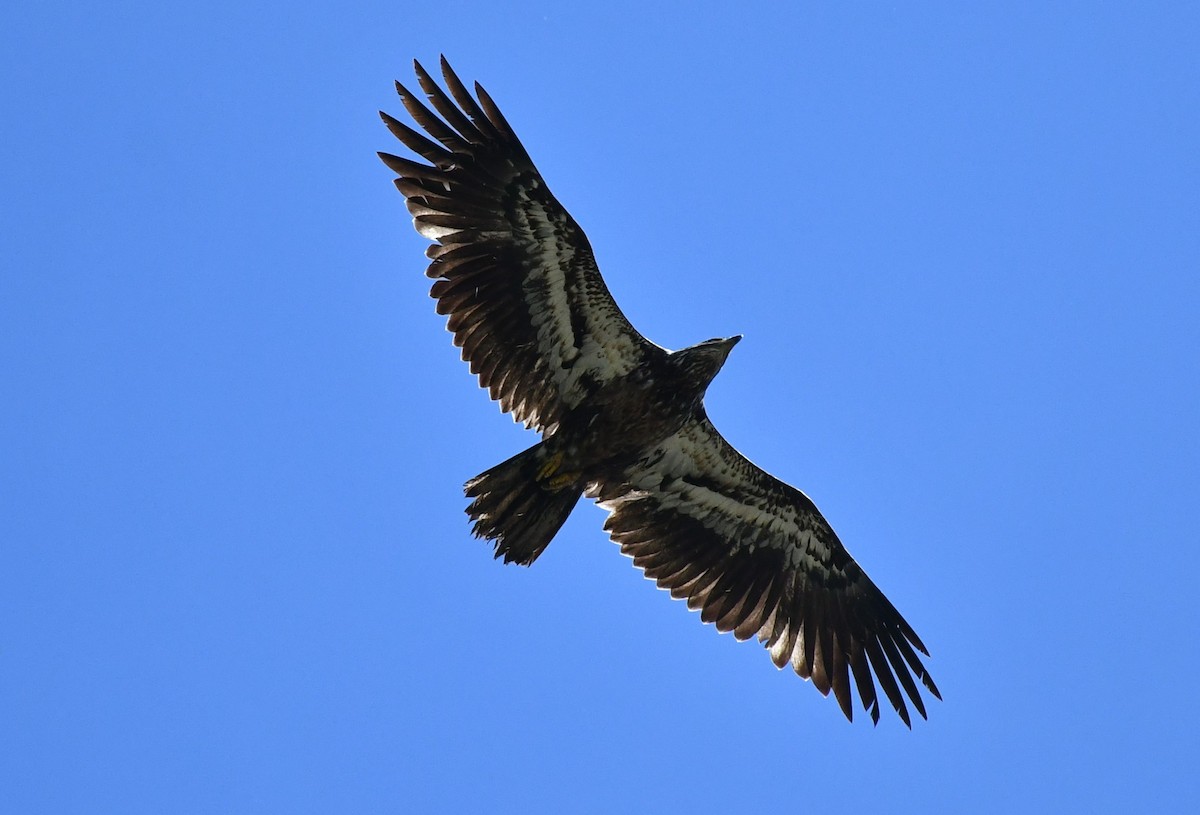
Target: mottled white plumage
{"points": [[624, 420]]}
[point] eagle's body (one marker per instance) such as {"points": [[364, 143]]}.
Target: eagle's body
{"points": [[630, 414], [622, 419]]}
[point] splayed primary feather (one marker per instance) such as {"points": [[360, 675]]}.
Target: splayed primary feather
{"points": [[623, 419]]}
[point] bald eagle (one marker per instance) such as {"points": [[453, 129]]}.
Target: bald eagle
{"points": [[622, 420]]}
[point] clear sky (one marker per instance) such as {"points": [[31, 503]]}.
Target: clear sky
{"points": [[962, 241]]}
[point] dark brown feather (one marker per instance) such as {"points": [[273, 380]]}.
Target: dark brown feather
{"points": [[862, 679], [884, 674], [464, 100], [446, 108], [516, 280], [493, 216], [826, 618]]}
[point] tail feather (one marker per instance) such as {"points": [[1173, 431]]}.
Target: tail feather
{"points": [[519, 514]]}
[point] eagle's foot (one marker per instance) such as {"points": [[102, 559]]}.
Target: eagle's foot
{"points": [[551, 475], [550, 466], [562, 480]]}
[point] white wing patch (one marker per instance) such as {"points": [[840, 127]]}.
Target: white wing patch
{"points": [[697, 474], [607, 349]]}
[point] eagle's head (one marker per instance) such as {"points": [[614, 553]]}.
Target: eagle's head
{"points": [[700, 362]]}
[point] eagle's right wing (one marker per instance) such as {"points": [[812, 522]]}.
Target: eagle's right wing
{"points": [[514, 272], [755, 556]]}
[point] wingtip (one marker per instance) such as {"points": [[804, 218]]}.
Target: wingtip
{"points": [[448, 73], [847, 708], [422, 74], [389, 161]]}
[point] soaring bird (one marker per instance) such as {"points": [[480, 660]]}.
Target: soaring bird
{"points": [[622, 419]]}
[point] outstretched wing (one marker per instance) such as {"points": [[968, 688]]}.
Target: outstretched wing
{"points": [[755, 556], [514, 272]]}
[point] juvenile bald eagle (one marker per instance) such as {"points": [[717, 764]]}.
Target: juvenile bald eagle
{"points": [[622, 419]]}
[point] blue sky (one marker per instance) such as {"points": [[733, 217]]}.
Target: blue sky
{"points": [[961, 241]]}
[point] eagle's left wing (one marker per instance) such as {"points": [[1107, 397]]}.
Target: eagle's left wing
{"points": [[757, 557], [514, 273]]}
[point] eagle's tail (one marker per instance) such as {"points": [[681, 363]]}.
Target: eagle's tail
{"points": [[518, 507]]}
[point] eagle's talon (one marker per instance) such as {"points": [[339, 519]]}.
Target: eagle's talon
{"points": [[562, 481], [550, 467]]}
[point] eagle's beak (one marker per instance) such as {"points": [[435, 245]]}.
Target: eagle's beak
{"points": [[729, 343]]}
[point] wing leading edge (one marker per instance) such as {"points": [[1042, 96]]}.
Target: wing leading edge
{"points": [[756, 557], [514, 273]]}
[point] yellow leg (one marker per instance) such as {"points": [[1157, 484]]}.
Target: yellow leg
{"points": [[549, 466], [562, 480], [552, 477]]}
